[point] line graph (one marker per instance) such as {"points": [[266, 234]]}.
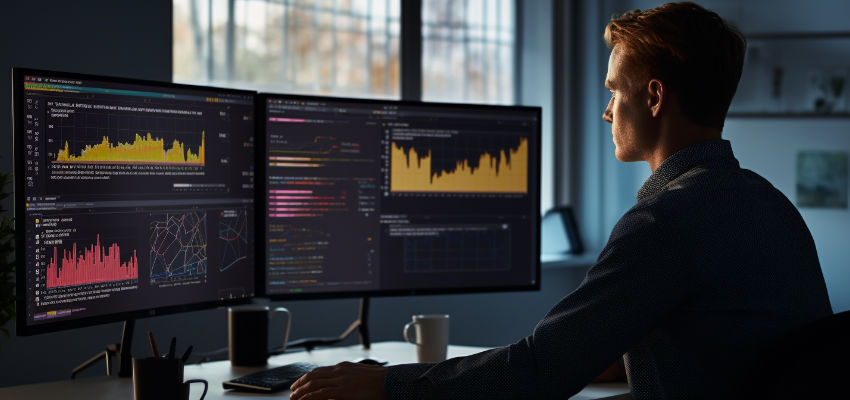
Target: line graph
{"points": [[233, 232], [458, 249], [178, 247]]}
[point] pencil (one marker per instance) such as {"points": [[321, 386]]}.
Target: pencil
{"points": [[186, 354], [172, 348], [153, 345]]}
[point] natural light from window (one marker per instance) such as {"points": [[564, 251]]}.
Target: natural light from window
{"points": [[332, 47], [346, 47], [468, 51]]}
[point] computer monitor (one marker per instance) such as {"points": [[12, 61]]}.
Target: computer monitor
{"points": [[132, 198], [378, 198]]}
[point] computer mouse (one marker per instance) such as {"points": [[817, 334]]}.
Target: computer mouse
{"points": [[370, 361]]}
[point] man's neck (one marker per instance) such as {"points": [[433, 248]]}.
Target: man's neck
{"points": [[676, 134]]}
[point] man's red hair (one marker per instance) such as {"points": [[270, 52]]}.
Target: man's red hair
{"points": [[697, 54]]}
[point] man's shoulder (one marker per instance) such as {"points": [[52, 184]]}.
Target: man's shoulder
{"points": [[708, 184], [647, 216], [700, 192], [714, 199]]}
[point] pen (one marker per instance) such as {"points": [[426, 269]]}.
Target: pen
{"points": [[153, 345], [173, 347], [186, 354]]}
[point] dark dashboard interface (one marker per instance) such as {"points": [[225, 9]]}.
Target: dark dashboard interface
{"points": [[388, 197], [136, 196]]}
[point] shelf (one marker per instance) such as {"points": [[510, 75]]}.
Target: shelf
{"points": [[795, 75], [789, 115], [797, 35]]}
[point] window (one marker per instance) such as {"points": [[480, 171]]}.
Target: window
{"points": [[346, 47], [335, 47], [468, 50]]}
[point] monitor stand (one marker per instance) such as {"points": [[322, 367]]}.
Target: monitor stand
{"points": [[361, 325], [122, 350]]}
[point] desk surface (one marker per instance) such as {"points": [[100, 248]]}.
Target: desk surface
{"points": [[219, 371]]}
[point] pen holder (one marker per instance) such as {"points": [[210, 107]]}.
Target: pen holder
{"points": [[161, 379]]}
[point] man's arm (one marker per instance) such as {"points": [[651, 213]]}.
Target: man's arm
{"points": [[637, 279]]}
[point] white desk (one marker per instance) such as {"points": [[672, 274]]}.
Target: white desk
{"points": [[220, 371]]}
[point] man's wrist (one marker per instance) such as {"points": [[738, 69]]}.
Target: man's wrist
{"points": [[405, 382]]}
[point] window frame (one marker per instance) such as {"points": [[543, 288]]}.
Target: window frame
{"points": [[410, 50]]}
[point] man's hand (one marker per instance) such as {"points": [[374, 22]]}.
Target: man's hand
{"points": [[344, 381]]}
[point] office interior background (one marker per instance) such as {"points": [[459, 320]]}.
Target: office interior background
{"points": [[544, 53]]}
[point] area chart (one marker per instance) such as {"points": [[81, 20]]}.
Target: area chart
{"points": [[142, 150], [458, 169]]}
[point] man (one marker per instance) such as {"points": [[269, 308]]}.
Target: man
{"points": [[709, 267]]}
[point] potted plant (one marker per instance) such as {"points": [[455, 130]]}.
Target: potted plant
{"points": [[7, 258]]}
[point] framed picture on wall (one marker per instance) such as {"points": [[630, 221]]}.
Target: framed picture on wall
{"points": [[822, 179]]}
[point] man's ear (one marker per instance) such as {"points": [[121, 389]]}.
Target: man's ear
{"points": [[656, 96]]}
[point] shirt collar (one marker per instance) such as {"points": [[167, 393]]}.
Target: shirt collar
{"points": [[683, 160]]}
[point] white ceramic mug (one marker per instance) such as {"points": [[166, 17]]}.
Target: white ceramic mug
{"points": [[432, 337]]}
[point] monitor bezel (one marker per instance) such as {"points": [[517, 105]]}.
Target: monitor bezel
{"points": [[22, 328], [261, 199]]}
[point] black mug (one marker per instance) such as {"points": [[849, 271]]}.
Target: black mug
{"points": [[161, 379], [248, 334]]}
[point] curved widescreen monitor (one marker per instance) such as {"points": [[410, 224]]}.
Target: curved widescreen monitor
{"points": [[132, 198], [371, 197]]}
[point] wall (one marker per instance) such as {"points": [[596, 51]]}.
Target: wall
{"points": [[133, 39]]}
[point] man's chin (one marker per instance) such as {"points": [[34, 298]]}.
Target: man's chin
{"points": [[619, 154], [623, 156]]}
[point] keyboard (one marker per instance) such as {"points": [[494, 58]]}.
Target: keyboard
{"points": [[270, 380]]}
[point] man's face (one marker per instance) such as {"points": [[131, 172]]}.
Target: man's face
{"points": [[628, 110]]}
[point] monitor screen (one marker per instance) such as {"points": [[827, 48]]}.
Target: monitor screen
{"points": [[369, 197], [133, 198]]}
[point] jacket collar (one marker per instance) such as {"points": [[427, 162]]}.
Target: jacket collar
{"points": [[702, 153]]}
